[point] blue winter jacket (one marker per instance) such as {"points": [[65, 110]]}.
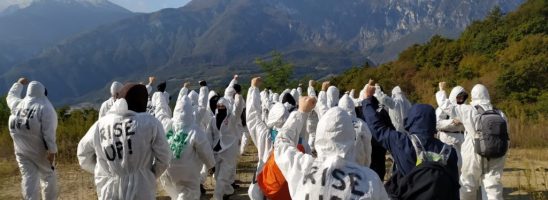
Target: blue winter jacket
{"points": [[421, 121]]}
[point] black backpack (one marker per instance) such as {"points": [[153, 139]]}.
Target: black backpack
{"points": [[492, 138], [430, 179]]}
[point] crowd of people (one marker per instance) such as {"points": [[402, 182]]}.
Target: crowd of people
{"points": [[326, 144]]}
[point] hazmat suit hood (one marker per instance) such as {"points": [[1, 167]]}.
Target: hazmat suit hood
{"points": [[396, 91], [115, 89], [332, 96], [193, 97], [480, 96], [347, 104], [277, 116], [223, 101], [36, 90], [294, 93], [136, 96], [186, 117], [454, 93], [421, 121], [335, 135]]}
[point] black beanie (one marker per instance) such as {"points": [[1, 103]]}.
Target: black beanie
{"points": [[136, 96], [238, 88], [289, 99], [161, 87]]}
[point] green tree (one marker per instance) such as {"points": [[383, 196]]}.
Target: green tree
{"points": [[277, 71]]}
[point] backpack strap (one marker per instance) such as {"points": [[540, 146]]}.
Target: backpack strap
{"points": [[479, 109], [419, 149], [445, 153]]}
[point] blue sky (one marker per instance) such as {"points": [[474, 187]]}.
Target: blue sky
{"points": [[149, 5]]}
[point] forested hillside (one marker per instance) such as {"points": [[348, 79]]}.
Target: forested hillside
{"points": [[506, 52]]}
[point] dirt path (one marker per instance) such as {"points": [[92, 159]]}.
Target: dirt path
{"points": [[525, 177]]}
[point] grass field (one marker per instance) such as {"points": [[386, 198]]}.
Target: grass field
{"points": [[525, 177]]}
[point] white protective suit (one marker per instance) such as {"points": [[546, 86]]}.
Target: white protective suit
{"points": [[261, 132], [398, 107], [126, 151], [363, 134], [472, 173], [114, 89], [448, 132], [156, 98], [190, 150], [226, 137], [32, 125], [312, 121], [327, 100], [334, 174]]}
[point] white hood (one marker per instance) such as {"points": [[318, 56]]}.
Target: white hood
{"points": [[347, 104], [480, 96], [36, 90], [115, 88], [335, 135], [332, 96], [277, 116], [185, 118], [193, 97], [225, 102], [453, 95]]}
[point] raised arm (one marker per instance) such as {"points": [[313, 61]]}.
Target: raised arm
{"points": [[15, 92], [286, 154], [321, 106], [380, 131]]}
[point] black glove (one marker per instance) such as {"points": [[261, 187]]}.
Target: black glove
{"points": [[202, 83]]}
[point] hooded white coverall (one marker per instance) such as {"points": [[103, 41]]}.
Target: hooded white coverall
{"points": [[227, 157], [477, 170], [334, 174], [312, 121], [32, 124], [156, 98], [114, 89], [190, 151], [363, 134], [449, 132], [398, 107], [261, 131], [127, 152]]}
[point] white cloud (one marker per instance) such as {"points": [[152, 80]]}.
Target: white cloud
{"points": [[7, 3]]}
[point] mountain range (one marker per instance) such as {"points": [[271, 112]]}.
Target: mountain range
{"points": [[26, 29], [212, 39]]}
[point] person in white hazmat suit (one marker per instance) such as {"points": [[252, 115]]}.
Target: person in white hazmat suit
{"points": [[312, 121], [327, 98], [190, 151], [262, 133], [334, 174], [450, 129], [126, 150], [363, 134], [397, 104], [114, 93], [225, 134], [32, 125], [476, 170], [161, 95]]}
